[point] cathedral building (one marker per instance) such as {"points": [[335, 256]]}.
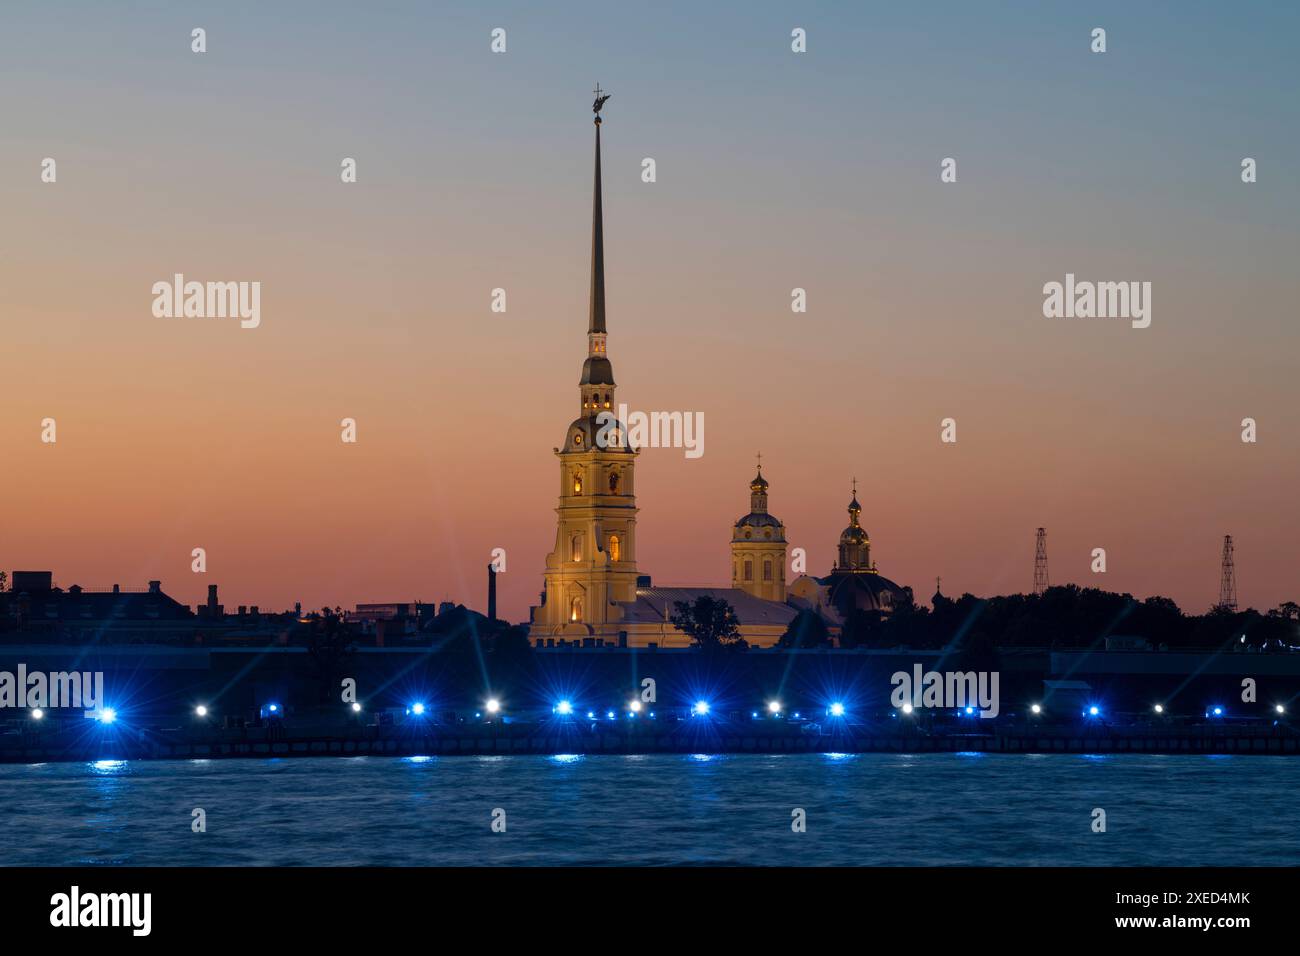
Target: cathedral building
{"points": [[853, 584], [593, 591]]}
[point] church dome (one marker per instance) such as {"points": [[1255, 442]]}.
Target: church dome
{"points": [[584, 434], [854, 535], [759, 485], [597, 370], [865, 592], [757, 519]]}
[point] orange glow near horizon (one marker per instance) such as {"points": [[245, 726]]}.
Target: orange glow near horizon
{"points": [[924, 302]]}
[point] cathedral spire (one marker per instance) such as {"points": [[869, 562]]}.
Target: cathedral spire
{"points": [[596, 322], [597, 380]]}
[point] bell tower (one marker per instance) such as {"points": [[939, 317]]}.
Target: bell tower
{"points": [[592, 569], [758, 547]]}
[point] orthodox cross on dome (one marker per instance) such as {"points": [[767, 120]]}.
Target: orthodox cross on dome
{"points": [[760, 462], [601, 97]]}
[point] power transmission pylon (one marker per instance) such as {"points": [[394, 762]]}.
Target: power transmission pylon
{"points": [[1041, 583], [1228, 578]]}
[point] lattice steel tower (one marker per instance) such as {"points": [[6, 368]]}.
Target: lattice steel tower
{"points": [[1041, 583], [1228, 577]]}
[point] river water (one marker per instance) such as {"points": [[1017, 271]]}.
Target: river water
{"points": [[878, 809]]}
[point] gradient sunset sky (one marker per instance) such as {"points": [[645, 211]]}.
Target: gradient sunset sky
{"points": [[775, 170]]}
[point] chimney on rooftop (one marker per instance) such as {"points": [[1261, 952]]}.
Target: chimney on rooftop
{"points": [[117, 589], [155, 587]]}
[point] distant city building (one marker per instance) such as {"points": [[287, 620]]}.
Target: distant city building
{"points": [[36, 608], [384, 612], [34, 597], [389, 621]]}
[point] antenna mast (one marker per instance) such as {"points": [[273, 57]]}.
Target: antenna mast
{"points": [[1228, 578], [1041, 583]]}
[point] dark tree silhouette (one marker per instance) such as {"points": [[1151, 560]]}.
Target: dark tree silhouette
{"points": [[331, 647], [806, 630], [710, 622]]}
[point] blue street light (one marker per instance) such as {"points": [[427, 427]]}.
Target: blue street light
{"points": [[701, 708], [564, 708], [837, 709]]}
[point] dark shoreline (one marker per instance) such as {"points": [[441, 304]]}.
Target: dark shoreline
{"points": [[536, 739]]}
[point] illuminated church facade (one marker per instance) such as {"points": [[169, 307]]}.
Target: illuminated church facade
{"points": [[593, 589]]}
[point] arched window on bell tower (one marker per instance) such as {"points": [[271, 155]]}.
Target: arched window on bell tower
{"points": [[615, 548], [575, 609], [577, 483], [749, 570], [577, 547]]}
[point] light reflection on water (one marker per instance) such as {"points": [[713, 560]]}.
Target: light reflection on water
{"points": [[657, 809]]}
